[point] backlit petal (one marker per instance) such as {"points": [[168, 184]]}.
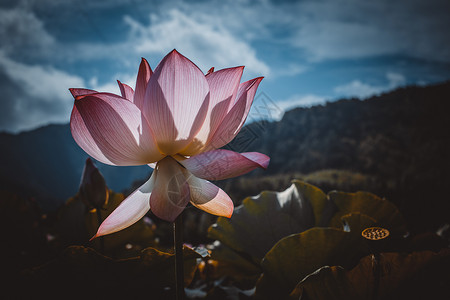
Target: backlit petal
{"points": [[144, 74], [81, 92], [171, 193], [221, 164], [223, 86], [250, 88], [126, 91], [210, 198], [177, 100], [131, 210], [112, 130], [235, 118]]}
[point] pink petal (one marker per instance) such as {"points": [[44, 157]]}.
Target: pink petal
{"points": [[171, 193], [261, 159], [131, 210], [223, 86], [177, 100], [250, 89], [210, 71], [81, 92], [126, 91], [112, 130], [144, 74], [208, 197], [221, 164], [235, 118]]}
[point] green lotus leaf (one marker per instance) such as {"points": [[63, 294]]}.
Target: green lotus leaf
{"points": [[418, 275], [296, 256], [236, 265], [263, 220], [384, 212]]}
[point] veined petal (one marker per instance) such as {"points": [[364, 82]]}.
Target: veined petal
{"points": [[81, 92], [131, 210], [112, 130], [221, 164], [223, 86], [250, 88], [236, 116], [210, 198], [126, 91], [144, 74], [261, 159], [171, 193], [177, 100]]}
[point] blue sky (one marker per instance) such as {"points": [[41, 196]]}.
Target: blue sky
{"points": [[309, 51]]}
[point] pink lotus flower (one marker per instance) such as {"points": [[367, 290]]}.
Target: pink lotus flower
{"points": [[177, 118]]}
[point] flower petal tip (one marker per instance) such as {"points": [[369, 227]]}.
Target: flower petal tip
{"points": [[174, 52], [94, 237], [261, 159], [265, 163]]}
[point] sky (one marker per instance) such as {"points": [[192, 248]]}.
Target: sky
{"points": [[309, 52]]}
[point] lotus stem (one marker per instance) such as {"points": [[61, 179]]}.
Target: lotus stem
{"points": [[178, 248]]}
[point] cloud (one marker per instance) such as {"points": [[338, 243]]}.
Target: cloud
{"points": [[34, 95], [362, 90], [357, 29], [196, 36], [264, 108], [307, 100], [358, 89], [289, 70], [21, 31]]}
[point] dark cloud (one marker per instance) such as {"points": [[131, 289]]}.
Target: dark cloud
{"points": [[356, 29], [10, 92], [23, 34]]}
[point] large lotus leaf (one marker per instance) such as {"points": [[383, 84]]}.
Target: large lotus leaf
{"points": [[263, 220], [84, 272], [384, 212], [296, 256], [235, 265], [323, 208], [419, 275]]}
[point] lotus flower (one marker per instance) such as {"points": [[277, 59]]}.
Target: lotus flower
{"points": [[175, 120]]}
